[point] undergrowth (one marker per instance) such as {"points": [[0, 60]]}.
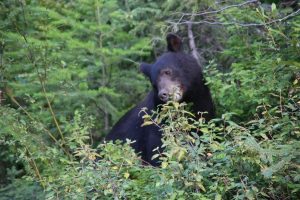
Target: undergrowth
{"points": [[219, 159]]}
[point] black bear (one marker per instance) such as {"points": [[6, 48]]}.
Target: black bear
{"points": [[175, 75]]}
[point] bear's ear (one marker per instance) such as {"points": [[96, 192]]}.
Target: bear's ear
{"points": [[174, 42], [146, 69]]}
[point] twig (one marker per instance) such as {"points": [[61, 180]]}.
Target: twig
{"points": [[2, 45], [280, 100]]}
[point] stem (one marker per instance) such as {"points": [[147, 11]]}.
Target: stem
{"points": [[104, 70], [34, 166], [51, 110]]}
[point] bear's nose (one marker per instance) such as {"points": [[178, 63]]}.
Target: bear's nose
{"points": [[163, 95]]}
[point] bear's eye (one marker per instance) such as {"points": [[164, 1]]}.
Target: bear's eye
{"points": [[167, 72]]}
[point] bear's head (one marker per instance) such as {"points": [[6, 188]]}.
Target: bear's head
{"points": [[174, 75]]}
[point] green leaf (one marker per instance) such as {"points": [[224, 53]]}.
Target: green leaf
{"points": [[273, 7], [147, 123]]}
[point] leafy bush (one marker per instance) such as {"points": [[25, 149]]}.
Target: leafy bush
{"points": [[219, 159], [263, 62]]}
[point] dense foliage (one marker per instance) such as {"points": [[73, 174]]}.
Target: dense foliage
{"points": [[68, 72]]}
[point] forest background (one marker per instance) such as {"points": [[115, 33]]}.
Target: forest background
{"points": [[69, 71]]}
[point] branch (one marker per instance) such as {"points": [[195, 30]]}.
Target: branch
{"points": [[238, 23], [192, 44], [222, 9]]}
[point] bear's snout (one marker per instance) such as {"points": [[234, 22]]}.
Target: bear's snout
{"points": [[172, 92], [163, 95]]}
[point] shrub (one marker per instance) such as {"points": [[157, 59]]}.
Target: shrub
{"points": [[218, 159]]}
